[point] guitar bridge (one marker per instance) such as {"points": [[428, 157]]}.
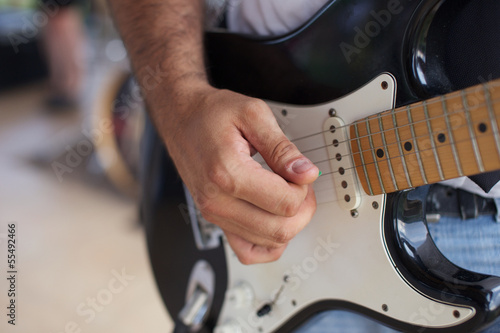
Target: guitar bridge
{"points": [[343, 171]]}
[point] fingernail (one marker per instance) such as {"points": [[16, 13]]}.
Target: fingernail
{"points": [[302, 166]]}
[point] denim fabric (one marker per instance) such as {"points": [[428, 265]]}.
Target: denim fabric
{"points": [[471, 244]]}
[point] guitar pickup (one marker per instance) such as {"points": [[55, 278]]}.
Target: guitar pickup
{"points": [[341, 162]]}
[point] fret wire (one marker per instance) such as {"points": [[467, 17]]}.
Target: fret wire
{"points": [[384, 144], [408, 108], [413, 137], [354, 167], [419, 158], [452, 139], [403, 157], [433, 118], [373, 155], [362, 158], [472, 135], [400, 109], [488, 104], [433, 143], [392, 110], [393, 157], [365, 136], [492, 116]]}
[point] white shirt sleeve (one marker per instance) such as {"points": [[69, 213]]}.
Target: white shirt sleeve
{"points": [[270, 17]]}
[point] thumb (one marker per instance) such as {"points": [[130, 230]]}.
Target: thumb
{"points": [[280, 154]]}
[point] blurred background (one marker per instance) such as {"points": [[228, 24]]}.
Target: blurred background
{"points": [[68, 155]]}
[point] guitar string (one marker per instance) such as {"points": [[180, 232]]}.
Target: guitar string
{"points": [[388, 130], [332, 184], [383, 132], [403, 109], [399, 156], [398, 142], [447, 98], [415, 152]]}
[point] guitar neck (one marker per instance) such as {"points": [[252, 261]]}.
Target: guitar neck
{"points": [[423, 143]]}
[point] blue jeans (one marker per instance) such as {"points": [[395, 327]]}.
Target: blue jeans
{"points": [[472, 244]]}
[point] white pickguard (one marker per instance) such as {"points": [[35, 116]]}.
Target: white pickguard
{"points": [[337, 256]]}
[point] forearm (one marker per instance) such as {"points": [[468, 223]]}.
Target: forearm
{"points": [[211, 134], [163, 38]]}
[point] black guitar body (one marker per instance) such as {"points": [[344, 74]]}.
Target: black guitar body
{"points": [[431, 47]]}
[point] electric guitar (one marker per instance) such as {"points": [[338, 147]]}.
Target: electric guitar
{"points": [[365, 90]]}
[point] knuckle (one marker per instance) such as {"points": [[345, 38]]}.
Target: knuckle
{"points": [[255, 110], [221, 177], [283, 150], [275, 255], [255, 106], [290, 208], [282, 235], [245, 258], [289, 205]]}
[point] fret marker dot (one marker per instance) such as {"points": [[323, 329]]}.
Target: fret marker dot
{"points": [[341, 171], [408, 146], [380, 153], [482, 127], [441, 137], [338, 157]]}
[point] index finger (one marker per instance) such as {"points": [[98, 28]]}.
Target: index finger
{"points": [[251, 182]]}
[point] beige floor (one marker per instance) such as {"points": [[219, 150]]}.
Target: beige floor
{"points": [[72, 237]]}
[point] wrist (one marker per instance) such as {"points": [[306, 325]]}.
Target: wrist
{"points": [[174, 102]]}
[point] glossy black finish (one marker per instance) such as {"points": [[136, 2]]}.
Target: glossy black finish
{"points": [[309, 66], [457, 46], [421, 263], [430, 47]]}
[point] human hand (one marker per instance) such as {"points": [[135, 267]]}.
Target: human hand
{"points": [[211, 136]]}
